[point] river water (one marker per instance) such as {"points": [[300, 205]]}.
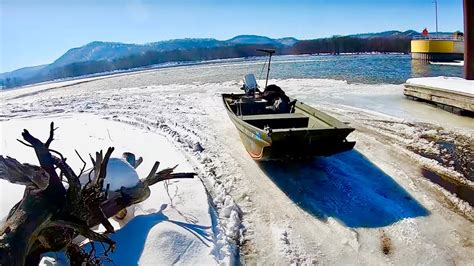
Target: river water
{"points": [[370, 82], [365, 68]]}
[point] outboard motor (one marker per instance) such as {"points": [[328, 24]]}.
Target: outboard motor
{"points": [[250, 85]]}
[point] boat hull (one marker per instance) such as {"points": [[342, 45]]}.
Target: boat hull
{"points": [[294, 146], [292, 143]]}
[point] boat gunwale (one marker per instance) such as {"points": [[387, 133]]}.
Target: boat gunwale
{"points": [[266, 141], [309, 111], [242, 123]]}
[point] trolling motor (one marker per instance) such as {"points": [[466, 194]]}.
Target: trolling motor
{"points": [[270, 52]]}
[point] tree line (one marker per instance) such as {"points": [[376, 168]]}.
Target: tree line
{"points": [[334, 45]]}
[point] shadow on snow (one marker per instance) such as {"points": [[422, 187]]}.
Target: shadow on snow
{"points": [[345, 186], [130, 240]]}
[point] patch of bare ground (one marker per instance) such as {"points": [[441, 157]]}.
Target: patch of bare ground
{"points": [[449, 148], [455, 151], [247, 248], [385, 243], [452, 150]]}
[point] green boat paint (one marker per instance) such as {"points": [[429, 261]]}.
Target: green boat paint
{"points": [[292, 137]]}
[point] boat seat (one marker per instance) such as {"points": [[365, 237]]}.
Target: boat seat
{"points": [[285, 120], [249, 106], [273, 116]]}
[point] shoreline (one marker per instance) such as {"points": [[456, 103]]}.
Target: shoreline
{"points": [[185, 64], [282, 207]]}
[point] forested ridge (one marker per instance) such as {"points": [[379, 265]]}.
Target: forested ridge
{"points": [[333, 45]]}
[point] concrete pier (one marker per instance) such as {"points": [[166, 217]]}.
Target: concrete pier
{"points": [[455, 95]]}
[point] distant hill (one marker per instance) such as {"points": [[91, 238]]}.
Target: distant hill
{"points": [[96, 51], [255, 39], [110, 51], [96, 57], [387, 34], [23, 72], [393, 34], [288, 41]]}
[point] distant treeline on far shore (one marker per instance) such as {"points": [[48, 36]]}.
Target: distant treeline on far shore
{"points": [[332, 45]]}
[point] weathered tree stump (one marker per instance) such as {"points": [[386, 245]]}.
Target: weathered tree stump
{"points": [[50, 215]]}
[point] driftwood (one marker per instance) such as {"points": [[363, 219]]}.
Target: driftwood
{"points": [[50, 215]]}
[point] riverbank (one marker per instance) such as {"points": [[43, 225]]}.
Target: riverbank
{"points": [[372, 68], [341, 209]]}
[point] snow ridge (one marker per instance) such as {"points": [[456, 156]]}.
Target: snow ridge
{"points": [[229, 214]]}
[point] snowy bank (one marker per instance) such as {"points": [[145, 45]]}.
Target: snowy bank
{"points": [[279, 217], [174, 225]]}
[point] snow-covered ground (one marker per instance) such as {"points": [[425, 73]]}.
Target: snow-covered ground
{"points": [[372, 205], [452, 84], [174, 225]]}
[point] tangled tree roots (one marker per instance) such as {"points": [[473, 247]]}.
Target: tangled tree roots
{"points": [[50, 215]]}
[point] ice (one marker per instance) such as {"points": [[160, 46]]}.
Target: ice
{"points": [[456, 63], [326, 210]]}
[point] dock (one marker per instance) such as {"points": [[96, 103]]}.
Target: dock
{"points": [[452, 94]]}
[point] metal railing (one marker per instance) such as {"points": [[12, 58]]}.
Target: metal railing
{"points": [[435, 36]]}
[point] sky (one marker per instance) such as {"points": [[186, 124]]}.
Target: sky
{"points": [[38, 32]]}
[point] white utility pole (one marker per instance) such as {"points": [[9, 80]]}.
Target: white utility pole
{"points": [[436, 12]]}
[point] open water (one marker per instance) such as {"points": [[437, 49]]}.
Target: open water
{"points": [[363, 68]]}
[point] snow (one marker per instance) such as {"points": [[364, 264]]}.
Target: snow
{"points": [[119, 174], [164, 229], [456, 63], [452, 84], [335, 210]]}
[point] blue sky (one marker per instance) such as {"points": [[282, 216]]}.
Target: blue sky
{"points": [[38, 32]]}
